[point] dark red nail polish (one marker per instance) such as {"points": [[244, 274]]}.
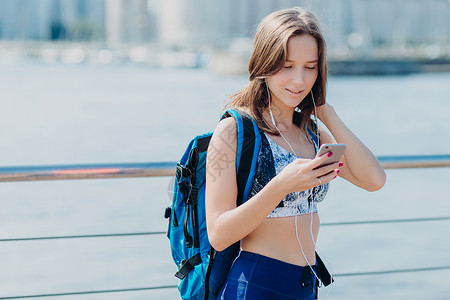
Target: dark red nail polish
{"points": [[330, 153], [341, 164], [337, 172]]}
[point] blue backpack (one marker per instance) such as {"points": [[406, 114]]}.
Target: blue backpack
{"points": [[201, 269]]}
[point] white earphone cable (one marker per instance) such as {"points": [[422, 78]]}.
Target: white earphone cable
{"points": [[310, 228]]}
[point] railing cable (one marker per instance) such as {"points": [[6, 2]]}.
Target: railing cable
{"points": [[174, 286], [393, 271], [163, 232], [82, 236], [91, 292], [387, 221]]}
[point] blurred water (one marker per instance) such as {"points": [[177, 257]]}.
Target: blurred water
{"points": [[57, 114]]}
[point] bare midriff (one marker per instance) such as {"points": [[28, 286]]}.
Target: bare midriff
{"points": [[277, 238]]}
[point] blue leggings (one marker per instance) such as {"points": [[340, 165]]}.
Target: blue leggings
{"points": [[254, 276]]}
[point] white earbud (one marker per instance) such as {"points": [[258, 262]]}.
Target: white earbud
{"points": [[271, 115], [270, 109]]}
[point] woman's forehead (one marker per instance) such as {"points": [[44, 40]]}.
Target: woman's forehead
{"points": [[302, 48]]}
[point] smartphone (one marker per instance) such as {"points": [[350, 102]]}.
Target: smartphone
{"points": [[336, 149]]}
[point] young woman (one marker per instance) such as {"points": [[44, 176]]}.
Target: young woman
{"points": [[278, 225]]}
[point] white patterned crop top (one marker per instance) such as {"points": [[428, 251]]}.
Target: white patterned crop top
{"points": [[272, 159]]}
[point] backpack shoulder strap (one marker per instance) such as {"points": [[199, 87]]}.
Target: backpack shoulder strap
{"points": [[312, 132], [248, 144]]}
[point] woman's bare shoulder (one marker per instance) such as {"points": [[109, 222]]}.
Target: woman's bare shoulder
{"points": [[226, 130]]}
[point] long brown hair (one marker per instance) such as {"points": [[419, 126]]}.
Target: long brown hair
{"points": [[268, 57]]}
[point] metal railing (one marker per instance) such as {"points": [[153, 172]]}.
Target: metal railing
{"points": [[158, 169], [86, 171]]}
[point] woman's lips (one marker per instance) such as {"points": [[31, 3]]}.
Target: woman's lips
{"points": [[295, 92]]}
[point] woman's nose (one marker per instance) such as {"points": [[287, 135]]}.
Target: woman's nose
{"points": [[298, 78]]}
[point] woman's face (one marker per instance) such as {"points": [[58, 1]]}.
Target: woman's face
{"points": [[289, 86]]}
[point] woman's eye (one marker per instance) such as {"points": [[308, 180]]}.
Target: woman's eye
{"points": [[311, 68], [287, 67]]}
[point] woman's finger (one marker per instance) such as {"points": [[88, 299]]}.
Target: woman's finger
{"points": [[317, 161], [301, 160], [321, 171], [329, 177]]}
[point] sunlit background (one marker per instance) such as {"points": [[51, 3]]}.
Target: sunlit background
{"points": [[121, 81], [194, 33]]}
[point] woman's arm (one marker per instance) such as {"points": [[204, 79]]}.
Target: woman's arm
{"points": [[227, 223], [361, 167]]}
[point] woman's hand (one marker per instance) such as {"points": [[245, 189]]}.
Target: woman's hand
{"points": [[361, 165], [304, 174]]}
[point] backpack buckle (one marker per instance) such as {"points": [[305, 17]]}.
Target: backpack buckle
{"points": [[167, 212], [182, 171], [186, 265]]}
